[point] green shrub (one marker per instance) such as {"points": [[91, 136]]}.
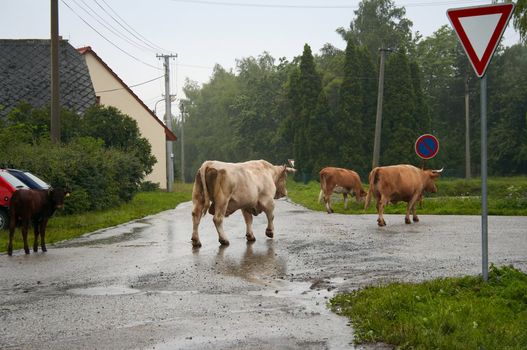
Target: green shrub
{"points": [[149, 186], [103, 158]]}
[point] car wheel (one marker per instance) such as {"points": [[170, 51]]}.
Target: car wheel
{"points": [[3, 219]]}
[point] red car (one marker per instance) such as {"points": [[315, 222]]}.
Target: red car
{"points": [[8, 185]]}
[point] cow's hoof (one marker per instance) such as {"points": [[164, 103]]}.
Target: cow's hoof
{"points": [[224, 242], [330, 211], [26, 250], [250, 237], [35, 249], [407, 221], [381, 223], [416, 219], [196, 244], [44, 249], [269, 233], [10, 252]]}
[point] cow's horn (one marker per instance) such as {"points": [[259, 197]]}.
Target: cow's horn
{"points": [[439, 171]]}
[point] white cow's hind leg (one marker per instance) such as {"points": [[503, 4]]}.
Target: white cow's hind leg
{"points": [[218, 222], [248, 216], [196, 218]]}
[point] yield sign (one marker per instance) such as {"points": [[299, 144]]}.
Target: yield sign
{"points": [[480, 29]]}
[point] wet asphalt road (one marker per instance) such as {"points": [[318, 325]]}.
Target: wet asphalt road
{"points": [[142, 286]]}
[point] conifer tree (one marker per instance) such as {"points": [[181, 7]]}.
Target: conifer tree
{"points": [[351, 136], [399, 125], [305, 88]]}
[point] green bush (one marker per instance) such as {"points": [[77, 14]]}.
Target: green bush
{"points": [[103, 158], [99, 178], [149, 186]]}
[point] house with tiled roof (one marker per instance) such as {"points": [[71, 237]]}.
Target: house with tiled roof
{"points": [[85, 80], [110, 90]]}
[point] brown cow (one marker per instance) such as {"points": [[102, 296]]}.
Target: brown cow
{"points": [[391, 184], [222, 188], [35, 206], [346, 179]]}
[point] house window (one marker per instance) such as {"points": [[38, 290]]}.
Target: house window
{"points": [[98, 100]]}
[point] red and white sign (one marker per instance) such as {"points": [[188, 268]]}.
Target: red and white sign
{"points": [[480, 29]]}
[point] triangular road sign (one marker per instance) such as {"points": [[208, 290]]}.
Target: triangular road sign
{"points": [[480, 29]]}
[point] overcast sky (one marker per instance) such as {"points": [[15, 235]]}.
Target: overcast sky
{"points": [[202, 33]]}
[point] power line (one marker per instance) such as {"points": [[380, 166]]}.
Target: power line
{"points": [[241, 4], [130, 29], [103, 22], [109, 41], [131, 86]]}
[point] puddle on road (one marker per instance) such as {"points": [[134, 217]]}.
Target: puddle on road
{"points": [[254, 265], [122, 233]]}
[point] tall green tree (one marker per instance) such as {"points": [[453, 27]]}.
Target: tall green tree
{"points": [[210, 126], [305, 87], [399, 124], [260, 109], [507, 112], [378, 24], [351, 119], [520, 18]]}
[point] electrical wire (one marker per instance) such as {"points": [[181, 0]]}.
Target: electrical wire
{"points": [[103, 22], [131, 86], [240, 4], [109, 41], [123, 24]]}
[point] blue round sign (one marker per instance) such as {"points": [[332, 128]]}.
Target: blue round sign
{"points": [[426, 146]]}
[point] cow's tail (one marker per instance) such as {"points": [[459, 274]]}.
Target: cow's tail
{"points": [[322, 187], [206, 196], [373, 180]]}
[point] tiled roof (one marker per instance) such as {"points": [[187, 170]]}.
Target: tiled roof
{"points": [[25, 72]]}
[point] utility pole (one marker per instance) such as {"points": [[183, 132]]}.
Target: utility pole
{"points": [[183, 143], [378, 119], [168, 121], [55, 94], [467, 131]]}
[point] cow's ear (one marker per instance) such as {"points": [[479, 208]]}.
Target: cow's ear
{"points": [[290, 170]]}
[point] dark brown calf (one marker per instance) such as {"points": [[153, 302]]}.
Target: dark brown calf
{"points": [[35, 206]]}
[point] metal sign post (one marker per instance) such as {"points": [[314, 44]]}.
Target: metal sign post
{"points": [[484, 209], [479, 30]]}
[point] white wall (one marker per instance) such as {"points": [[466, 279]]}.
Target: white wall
{"points": [[150, 129]]}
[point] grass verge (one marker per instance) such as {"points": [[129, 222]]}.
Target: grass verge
{"points": [[67, 227], [447, 313], [507, 196]]}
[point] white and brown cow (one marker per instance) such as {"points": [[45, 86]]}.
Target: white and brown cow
{"points": [[222, 188], [391, 184], [339, 180]]}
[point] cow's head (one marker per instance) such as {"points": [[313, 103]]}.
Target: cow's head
{"points": [[57, 196], [280, 182], [430, 185]]}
